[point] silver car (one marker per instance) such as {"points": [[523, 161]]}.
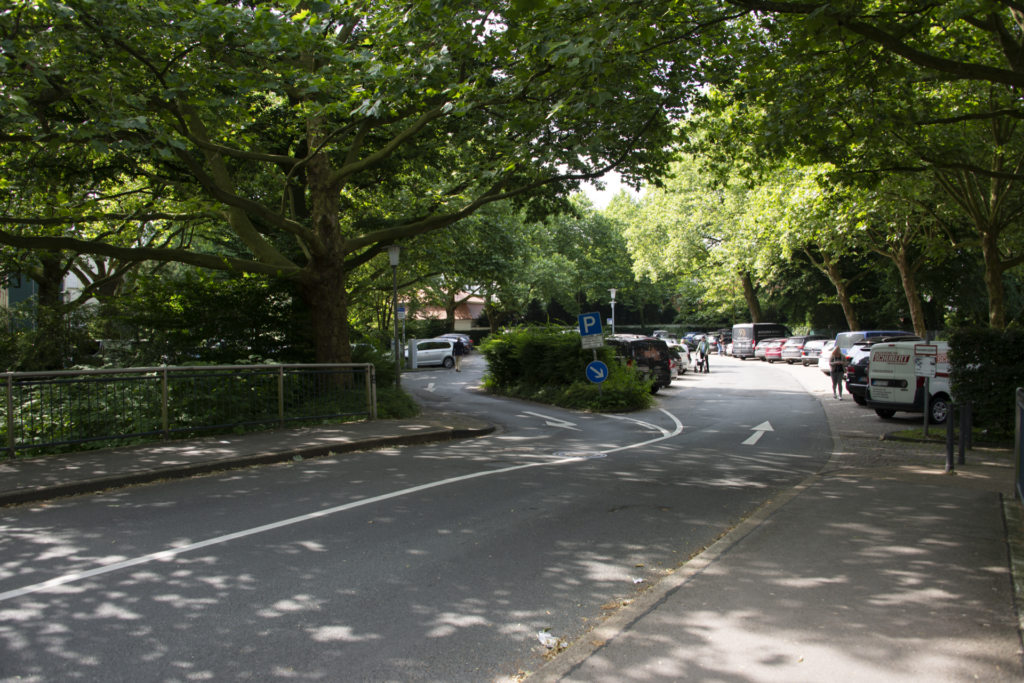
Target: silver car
{"points": [[434, 352]]}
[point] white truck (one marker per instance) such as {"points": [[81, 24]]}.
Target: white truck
{"points": [[894, 385]]}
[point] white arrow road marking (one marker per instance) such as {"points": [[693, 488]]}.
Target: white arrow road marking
{"points": [[555, 422], [430, 387], [759, 431]]}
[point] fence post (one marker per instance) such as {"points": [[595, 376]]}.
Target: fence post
{"points": [[280, 396], [10, 416], [163, 405]]}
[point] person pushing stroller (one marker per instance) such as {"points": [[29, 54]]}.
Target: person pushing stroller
{"points": [[703, 350]]}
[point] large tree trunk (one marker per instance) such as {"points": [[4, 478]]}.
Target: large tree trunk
{"points": [[993, 281], [832, 270], [326, 294], [908, 276], [751, 296]]}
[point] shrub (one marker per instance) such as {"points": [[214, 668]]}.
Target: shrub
{"points": [[544, 364], [986, 367]]}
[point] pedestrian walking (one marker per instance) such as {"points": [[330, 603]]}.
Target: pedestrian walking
{"points": [[458, 350], [838, 367]]}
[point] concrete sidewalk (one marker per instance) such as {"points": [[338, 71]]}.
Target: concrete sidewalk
{"points": [[879, 568], [35, 479]]}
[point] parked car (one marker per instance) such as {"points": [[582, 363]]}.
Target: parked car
{"points": [[845, 340], [685, 357], [466, 339], [773, 350], [812, 351], [894, 385], [663, 334], [647, 355], [823, 357], [793, 349], [434, 352], [760, 348], [859, 366]]}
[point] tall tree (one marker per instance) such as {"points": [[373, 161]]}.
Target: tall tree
{"points": [[318, 133]]}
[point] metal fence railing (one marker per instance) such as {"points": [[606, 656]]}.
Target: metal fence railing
{"points": [[1018, 436], [71, 407]]}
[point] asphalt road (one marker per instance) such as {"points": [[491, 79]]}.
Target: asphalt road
{"points": [[427, 563]]}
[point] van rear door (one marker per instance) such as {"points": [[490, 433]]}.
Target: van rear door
{"points": [[891, 373]]}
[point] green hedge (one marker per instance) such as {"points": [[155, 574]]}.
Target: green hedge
{"points": [[545, 364], [986, 367]]}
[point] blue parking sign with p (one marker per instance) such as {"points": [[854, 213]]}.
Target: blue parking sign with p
{"points": [[590, 323]]}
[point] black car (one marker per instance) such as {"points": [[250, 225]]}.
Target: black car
{"points": [[649, 356]]}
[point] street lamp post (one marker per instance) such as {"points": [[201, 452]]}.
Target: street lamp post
{"points": [[613, 290], [393, 252]]}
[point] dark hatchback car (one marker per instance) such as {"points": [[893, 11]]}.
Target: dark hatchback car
{"points": [[857, 371], [649, 356]]}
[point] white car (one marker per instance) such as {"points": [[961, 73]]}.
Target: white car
{"points": [[434, 352], [684, 354], [826, 353]]}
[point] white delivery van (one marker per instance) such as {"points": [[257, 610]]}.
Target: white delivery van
{"points": [[894, 387]]}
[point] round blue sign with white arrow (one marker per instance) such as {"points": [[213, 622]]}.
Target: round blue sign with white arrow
{"points": [[597, 372]]}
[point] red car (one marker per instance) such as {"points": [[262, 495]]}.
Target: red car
{"points": [[773, 351]]}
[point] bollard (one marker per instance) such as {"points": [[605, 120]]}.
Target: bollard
{"points": [[970, 425], [963, 435], [949, 438]]}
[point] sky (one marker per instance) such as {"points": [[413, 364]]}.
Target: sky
{"points": [[612, 186]]}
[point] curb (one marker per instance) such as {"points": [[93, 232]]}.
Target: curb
{"points": [[96, 484], [942, 442]]}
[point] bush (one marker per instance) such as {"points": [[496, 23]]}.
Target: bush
{"points": [[543, 364], [986, 367]]}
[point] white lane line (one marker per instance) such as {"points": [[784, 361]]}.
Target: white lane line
{"points": [[665, 435], [642, 423], [168, 554]]}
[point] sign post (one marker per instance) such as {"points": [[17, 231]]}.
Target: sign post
{"points": [[924, 366], [591, 338]]}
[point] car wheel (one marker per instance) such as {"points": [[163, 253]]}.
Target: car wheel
{"points": [[859, 400], [938, 409], [771, 361], [655, 388], [449, 362], [789, 362], [884, 414]]}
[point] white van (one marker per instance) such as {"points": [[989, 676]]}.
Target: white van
{"points": [[893, 387]]}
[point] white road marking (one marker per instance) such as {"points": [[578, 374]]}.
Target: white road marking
{"points": [[753, 439], [172, 552], [555, 422], [759, 431], [430, 387]]}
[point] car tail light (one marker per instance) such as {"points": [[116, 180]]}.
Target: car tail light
{"points": [[800, 346], [920, 382]]}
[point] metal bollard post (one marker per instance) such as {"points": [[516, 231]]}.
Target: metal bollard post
{"points": [[960, 460], [970, 425], [950, 469]]}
